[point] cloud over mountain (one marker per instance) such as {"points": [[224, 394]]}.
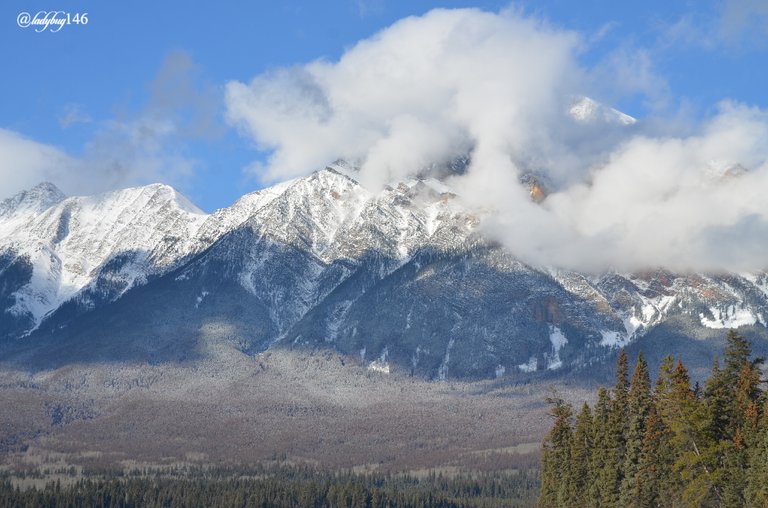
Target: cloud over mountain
{"points": [[498, 86]]}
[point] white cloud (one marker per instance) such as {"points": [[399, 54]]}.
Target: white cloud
{"points": [[138, 148], [120, 154], [25, 163], [429, 88], [426, 87], [695, 202]]}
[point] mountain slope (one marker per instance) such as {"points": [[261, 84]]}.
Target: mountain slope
{"points": [[401, 279], [98, 247]]}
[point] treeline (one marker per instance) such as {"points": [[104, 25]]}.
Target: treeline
{"points": [[285, 488], [671, 445]]}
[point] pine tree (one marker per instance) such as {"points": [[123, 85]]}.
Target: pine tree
{"points": [[737, 353], [581, 449], [660, 481], [621, 388], [746, 398], [598, 493], [673, 446], [613, 470], [556, 457], [697, 434], [657, 481], [734, 477], [742, 419], [718, 399], [756, 491], [728, 394], [638, 408]]}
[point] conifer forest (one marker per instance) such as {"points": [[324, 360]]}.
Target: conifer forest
{"points": [[668, 444]]}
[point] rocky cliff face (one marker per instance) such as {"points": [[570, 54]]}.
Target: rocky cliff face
{"points": [[401, 279]]}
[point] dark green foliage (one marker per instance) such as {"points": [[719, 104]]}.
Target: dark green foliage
{"points": [[283, 488], [756, 492], [612, 473], [581, 446], [669, 446], [556, 457], [638, 409], [659, 481], [598, 491]]}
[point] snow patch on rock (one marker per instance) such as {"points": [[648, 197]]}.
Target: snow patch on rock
{"points": [[200, 298], [558, 340], [530, 365], [380, 364], [730, 317], [612, 338]]}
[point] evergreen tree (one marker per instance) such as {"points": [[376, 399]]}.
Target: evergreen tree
{"points": [[737, 353], [718, 399], [747, 397], [638, 408], [657, 481], [673, 446], [613, 471], [756, 490], [660, 481], [698, 435], [743, 414], [581, 449], [734, 477], [556, 457], [729, 392], [598, 493], [662, 392]]}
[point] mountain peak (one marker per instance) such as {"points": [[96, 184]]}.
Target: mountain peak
{"points": [[165, 193], [47, 188], [586, 110], [37, 199]]}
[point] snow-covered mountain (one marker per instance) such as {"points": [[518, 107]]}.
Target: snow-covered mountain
{"points": [[70, 246], [586, 110], [402, 279]]}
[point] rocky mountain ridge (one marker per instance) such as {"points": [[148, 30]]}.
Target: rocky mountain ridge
{"points": [[402, 279]]}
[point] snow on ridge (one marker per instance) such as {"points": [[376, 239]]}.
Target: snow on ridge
{"points": [[730, 317], [586, 110], [342, 219], [35, 200], [71, 241], [153, 227], [19, 209]]}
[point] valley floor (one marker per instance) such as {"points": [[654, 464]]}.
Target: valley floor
{"points": [[292, 408]]}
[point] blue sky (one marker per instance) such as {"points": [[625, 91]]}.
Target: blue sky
{"points": [[84, 88]]}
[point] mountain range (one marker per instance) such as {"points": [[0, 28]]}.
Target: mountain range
{"points": [[403, 279]]}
